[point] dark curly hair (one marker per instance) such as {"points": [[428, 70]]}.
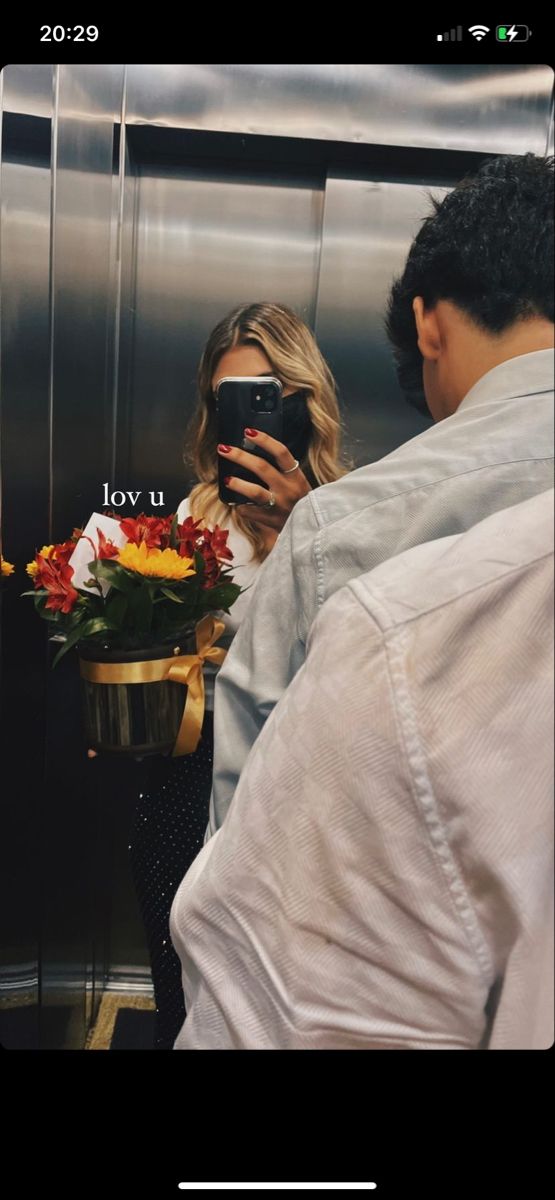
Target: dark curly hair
{"points": [[488, 248]]}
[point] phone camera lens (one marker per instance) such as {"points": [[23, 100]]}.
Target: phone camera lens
{"points": [[263, 398]]}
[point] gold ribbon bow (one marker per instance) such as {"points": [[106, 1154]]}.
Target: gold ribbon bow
{"points": [[188, 669], [185, 668]]}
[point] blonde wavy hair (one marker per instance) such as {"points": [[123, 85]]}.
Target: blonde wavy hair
{"points": [[294, 357]]}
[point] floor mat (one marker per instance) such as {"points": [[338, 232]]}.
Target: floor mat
{"points": [[123, 1023]]}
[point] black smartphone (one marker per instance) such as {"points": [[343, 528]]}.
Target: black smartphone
{"points": [[246, 402]]}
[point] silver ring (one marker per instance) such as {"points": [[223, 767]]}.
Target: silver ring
{"points": [[295, 468], [270, 502]]}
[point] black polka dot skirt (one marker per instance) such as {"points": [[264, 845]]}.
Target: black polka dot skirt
{"points": [[167, 833]]}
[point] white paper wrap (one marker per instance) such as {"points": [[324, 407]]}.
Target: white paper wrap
{"points": [[83, 553]]}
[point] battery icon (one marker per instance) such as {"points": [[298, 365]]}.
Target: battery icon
{"points": [[512, 33]]}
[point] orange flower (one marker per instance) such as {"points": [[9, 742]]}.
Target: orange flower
{"points": [[63, 550], [7, 567], [34, 566]]}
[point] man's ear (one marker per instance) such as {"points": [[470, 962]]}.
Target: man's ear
{"points": [[427, 330]]}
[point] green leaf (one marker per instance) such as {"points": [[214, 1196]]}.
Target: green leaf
{"points": [[116, 609], [51, 615], [48, 614], [87, 629], [223, 595], [172, 595], [140, 609], [199, 567], [114, 574]]}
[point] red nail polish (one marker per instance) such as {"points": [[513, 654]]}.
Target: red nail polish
{"points": [[224, 449], [228, 479], [251, 432]]}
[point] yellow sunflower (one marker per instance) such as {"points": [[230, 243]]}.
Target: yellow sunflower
{"points": [[161, 564]]}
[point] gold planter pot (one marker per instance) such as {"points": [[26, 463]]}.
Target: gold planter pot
{"points": [[140, 716]]}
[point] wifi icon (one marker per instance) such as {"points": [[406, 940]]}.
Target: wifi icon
{"points": [[478, 31]]}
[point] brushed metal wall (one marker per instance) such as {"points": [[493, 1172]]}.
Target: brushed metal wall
{"points": [[205, 239], [57, 244], [133, 217], [497, 109], [25, 190], [369, 224], [87, 105]]}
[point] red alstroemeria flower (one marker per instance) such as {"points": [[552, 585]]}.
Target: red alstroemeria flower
{"points": [[143, 529], [210, 543], [165, 531], [212, 568], [63, 551], [218, 543], [56, 578], [106, 548], [58, 554], [188, 538]]}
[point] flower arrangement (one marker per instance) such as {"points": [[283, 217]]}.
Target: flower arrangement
{"points": [[139, 594], [138, 604]]}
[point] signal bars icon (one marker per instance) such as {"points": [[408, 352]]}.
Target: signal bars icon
{"points": [[454, 36]]}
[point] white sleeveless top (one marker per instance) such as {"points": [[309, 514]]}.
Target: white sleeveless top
{"points": [[245, 570]]}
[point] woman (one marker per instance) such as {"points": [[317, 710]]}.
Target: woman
{"points": [[170, 821]]}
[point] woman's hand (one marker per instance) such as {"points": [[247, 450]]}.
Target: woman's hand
{"points": [[286, 482]]}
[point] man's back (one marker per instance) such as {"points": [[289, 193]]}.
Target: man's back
{"points": [[495, 451], [384, 878]]}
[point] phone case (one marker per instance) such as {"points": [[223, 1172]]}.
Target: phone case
{"points": [[235, 413]]}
